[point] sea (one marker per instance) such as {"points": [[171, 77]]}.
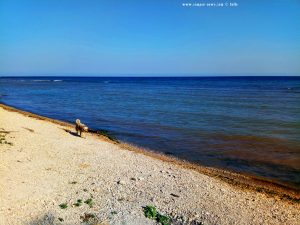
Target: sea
{"points": [[249, 125]]}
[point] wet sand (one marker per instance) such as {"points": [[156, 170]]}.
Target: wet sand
{"points": [[43, 166]]}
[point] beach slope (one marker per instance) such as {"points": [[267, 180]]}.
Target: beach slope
{"points": [[50, 176]]}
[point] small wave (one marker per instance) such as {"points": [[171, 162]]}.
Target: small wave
{"points": [[41, 80], [293, 89], [47, 80], [13, 80]]}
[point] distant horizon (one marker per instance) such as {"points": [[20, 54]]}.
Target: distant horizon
{"points": [[149, 75]]}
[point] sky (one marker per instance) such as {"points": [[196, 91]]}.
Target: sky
{"points": [[149, 37]]}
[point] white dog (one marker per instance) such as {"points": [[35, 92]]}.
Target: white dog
{"points": [[80, 128]]}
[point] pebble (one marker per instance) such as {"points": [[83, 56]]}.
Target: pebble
{"points": [[96, 189], [122, 182], [174, 195]]}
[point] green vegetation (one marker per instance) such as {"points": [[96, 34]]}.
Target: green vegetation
{"points": [[151, 213], [89, 202], [164, 220], [114, 212], [60, 219], [63, 206], [78, 203]]}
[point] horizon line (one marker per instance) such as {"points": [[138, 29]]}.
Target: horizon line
{"points": [[148, 75], [143, 76]]}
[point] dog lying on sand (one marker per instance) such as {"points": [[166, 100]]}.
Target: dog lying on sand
{"points": [[81, 128]]}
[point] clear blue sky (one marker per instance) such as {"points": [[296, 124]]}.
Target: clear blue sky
{"points": [[39, 37]]}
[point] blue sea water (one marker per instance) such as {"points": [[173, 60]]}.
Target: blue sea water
{"points": [[244, 124]]}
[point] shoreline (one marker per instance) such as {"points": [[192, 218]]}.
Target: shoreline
{"points": [[239, 180], [49, 175]]}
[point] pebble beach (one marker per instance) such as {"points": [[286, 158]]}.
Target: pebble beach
{"points": [[49, 175]]}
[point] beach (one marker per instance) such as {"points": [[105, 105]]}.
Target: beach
{"points": [[49, 175], [233, 123]]}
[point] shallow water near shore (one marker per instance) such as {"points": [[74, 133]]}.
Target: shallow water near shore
{"points": [[244, 124]]}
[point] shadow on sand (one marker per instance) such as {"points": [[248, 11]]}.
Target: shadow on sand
{"points": [[71, 132]]}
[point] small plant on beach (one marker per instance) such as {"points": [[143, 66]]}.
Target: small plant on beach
{"points": [[89, 202], [3, 140], [63, 206], [60, 219], [150, 212], [78, 203], [162, 219]]}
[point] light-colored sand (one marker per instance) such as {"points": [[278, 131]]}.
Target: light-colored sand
{"points": [[47, 166]]}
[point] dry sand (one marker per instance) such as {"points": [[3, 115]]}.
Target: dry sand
{"points": [[45, 166]]}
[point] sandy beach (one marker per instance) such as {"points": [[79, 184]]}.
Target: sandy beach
{"points": [[48, 175]]}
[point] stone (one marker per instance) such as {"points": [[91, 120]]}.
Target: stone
{"points": [[122, 182]]}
